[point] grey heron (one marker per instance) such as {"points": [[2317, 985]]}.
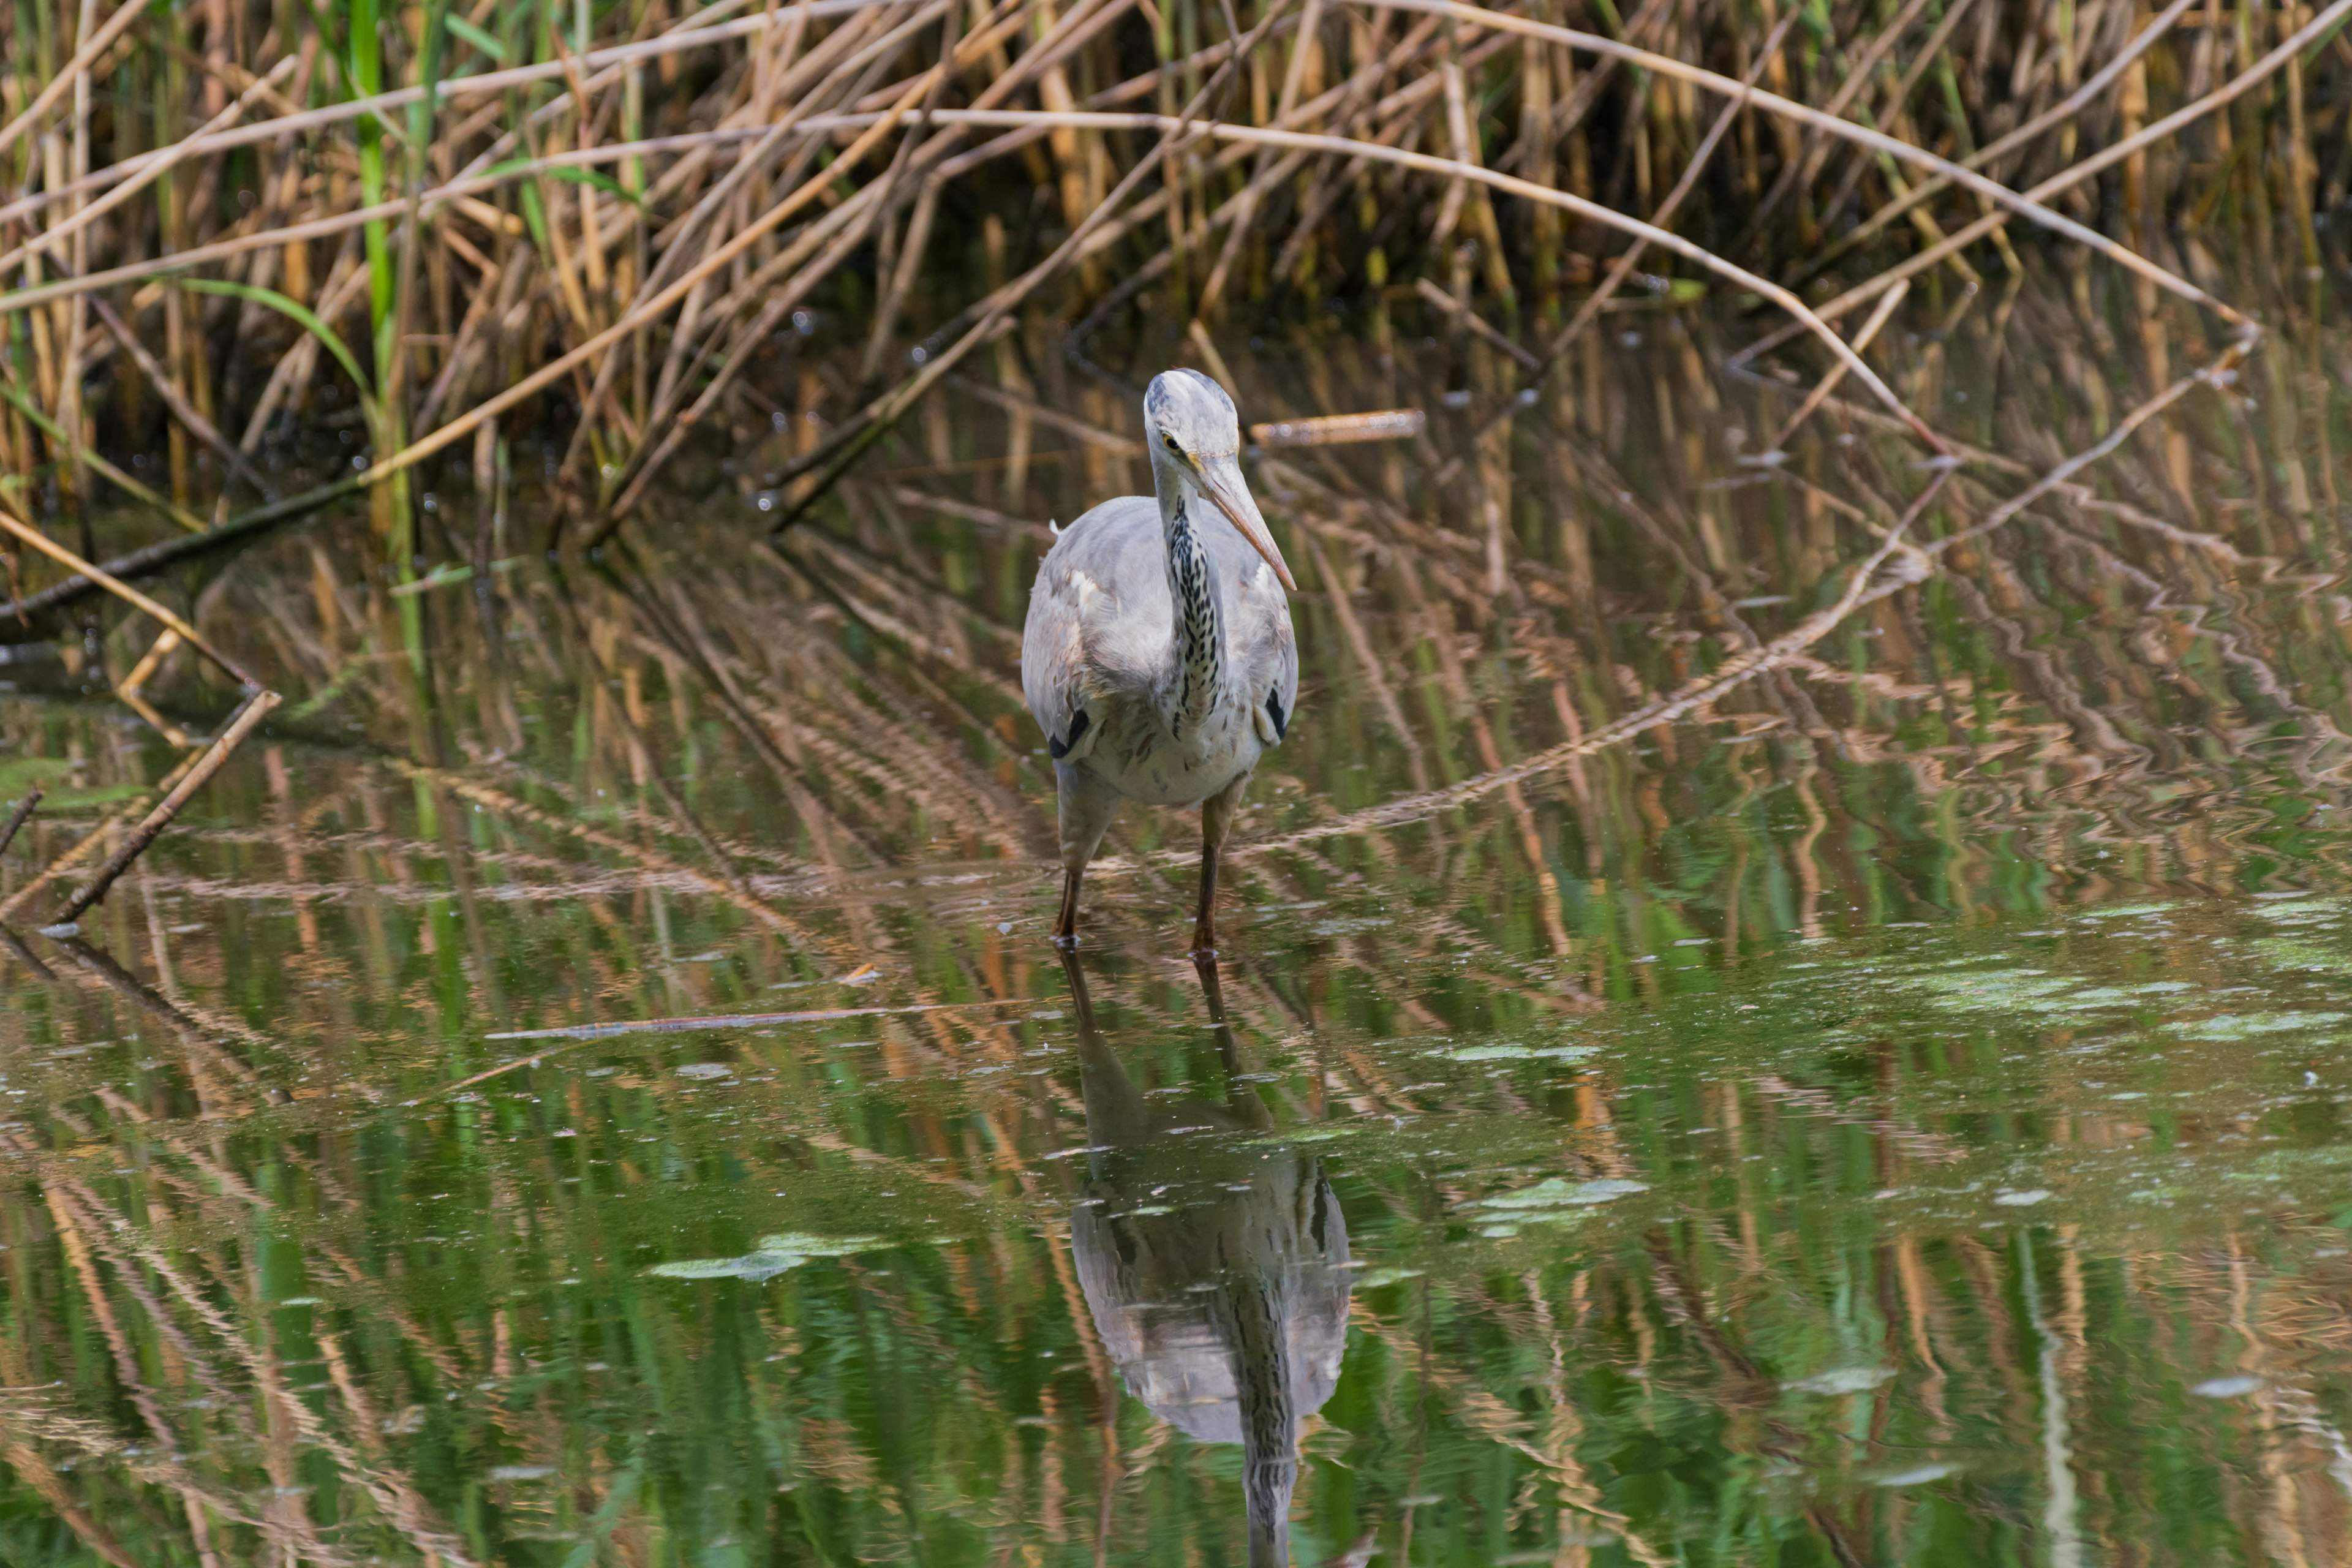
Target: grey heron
{"points": [[1157, 654]]}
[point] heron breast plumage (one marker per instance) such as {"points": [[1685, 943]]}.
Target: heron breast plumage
{"points": [[1102, 639]]}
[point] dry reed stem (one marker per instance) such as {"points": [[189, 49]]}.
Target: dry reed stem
{"points": [[1864, 586], [1452, 168], [847, 443], [1806, 166], [797, 935], [256, 708], [450, 90], [167, 389], [2218, 375], [2107, 158], [1829, 382], [428, 201], [2075, 103], [153, 558], [1623, 267], [62, 83], [1429, 77], [48, 239], [180, 515], [441, 437], [2026, 205]]}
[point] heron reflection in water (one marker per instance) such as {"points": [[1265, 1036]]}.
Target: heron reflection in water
{"points": [[1215, 1268]]}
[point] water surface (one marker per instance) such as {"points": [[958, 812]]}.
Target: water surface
{"points": [[600, 1092]]}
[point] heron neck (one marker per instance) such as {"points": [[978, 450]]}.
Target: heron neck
{"points": [[1259, 1326], [1199, 642]]}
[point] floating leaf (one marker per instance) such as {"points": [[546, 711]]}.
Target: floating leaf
{"points": [[1843, 1380], [774, 1255]]}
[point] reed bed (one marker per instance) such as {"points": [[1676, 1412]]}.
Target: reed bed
{"points": [[440, 229]]}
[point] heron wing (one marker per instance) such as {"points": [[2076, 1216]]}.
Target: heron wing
{"points": [[1098, 617]]}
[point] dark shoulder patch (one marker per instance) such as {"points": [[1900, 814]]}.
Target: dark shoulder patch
{"points": [[1274, 712], [1060, 749]]}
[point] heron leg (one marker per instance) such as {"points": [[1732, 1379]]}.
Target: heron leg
{"points": [[1205, 921], [1217, 814], [1066, 929], [1085, 807]]}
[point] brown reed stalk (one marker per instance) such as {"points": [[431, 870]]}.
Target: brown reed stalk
{"points": [[2211, 102]]}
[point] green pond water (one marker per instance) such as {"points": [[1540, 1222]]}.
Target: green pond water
{"points": [[599, 1091]]}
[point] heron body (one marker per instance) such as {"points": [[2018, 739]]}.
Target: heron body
{"points": [[1158, 656]]}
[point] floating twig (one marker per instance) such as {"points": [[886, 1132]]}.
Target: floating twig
{"points": [[583, 1033], [738, 1021]]}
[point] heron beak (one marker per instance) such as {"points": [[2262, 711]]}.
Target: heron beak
{"points": [[1220, 480]]}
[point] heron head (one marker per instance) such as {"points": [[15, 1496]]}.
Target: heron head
{"points": [[1196, 445]]}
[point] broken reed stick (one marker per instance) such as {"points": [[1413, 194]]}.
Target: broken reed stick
{"points": [[133, 688], [81, 846], [124, 591], [1339, 429], [256, 708], [19, 817], [149, 559]]}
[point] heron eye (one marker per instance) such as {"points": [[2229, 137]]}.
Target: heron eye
{"points": [[1170, 442]]}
